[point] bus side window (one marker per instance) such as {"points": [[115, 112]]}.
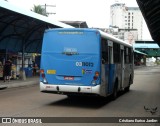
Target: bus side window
{"points": [[126, 55], [130, 55], [104, 51], [116, 53]]}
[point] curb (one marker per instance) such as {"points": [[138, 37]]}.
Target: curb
{"points": [[2, 87], [15, 84]]}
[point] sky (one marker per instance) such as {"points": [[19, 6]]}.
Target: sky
{"points": [[95, 12]]}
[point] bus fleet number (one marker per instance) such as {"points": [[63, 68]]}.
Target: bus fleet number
{"points": [[89, 64]]}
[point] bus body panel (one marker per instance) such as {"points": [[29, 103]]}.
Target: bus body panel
{"points": [[69, 89], [66, 59], [73, 69], [111, 76], [72, 57]]}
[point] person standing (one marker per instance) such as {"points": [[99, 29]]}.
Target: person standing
{"points": [[7, 70], [34, 68]]}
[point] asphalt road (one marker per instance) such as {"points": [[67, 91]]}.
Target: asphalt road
{"points": [[30, 102]]}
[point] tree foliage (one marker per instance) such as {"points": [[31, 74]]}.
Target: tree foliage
{"points": [[38, 9]]}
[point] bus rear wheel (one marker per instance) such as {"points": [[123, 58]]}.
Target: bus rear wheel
{"points": [[128, 87], [115, 92]]}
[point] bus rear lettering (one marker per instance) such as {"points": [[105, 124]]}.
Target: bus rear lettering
{"points": [[78, 63]]}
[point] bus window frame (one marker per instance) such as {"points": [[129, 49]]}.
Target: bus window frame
{"points": [[110, 52], [104, 50], [116, 52]]}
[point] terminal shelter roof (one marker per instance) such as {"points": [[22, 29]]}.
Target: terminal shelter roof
{"points": [[151, 49], [146, 45], [151, 11], [139, 52], [77, 24], [21, 29]]}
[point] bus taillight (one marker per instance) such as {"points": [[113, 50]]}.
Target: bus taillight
{"points": [[97, 74], [95, 77], [43, 76], [42, 73]]}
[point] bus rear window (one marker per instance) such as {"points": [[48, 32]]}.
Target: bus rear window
{"points": [[71, 42]]}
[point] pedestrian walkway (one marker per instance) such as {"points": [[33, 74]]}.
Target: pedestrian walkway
{"points": [[19, 83]]}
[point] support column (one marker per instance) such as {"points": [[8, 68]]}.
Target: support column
{"points": [[22, 71], [144, 59]]}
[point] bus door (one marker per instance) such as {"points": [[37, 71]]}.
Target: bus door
{"points": [[122, 66], [127, 68], [111, 67], [104, 68]]}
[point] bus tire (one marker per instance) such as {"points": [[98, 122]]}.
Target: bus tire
{"points": [[128, 87], [115, 92]]}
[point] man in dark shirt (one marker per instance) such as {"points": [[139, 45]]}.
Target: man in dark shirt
{"points": [[7, 70]]}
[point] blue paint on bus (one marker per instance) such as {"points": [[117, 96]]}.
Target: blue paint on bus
{"points": [[74, 56], [84, 61], [111, 78]]}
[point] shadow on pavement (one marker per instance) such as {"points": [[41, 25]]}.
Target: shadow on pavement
{"points": [[82, 102]]}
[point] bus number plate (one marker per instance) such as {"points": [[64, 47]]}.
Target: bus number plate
{"points": [[68, 78]]}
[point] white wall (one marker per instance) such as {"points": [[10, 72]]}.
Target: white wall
{"points": [[120, 17]]}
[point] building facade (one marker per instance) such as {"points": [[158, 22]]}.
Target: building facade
{"points": [[128, 18]]}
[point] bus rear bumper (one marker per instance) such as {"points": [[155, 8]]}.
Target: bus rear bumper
{"points": [[64, 89]]}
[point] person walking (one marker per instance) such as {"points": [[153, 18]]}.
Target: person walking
{"points": [[7, 70]]}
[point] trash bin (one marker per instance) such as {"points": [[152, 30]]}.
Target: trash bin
{"points": [[29, 72]]}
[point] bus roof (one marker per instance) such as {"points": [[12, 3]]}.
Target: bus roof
{"points": [[103, 34]]}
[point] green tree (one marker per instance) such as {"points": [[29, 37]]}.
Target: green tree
{"points": [[38, 9]]}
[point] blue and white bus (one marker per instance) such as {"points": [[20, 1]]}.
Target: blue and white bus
{"points": [[79, 61]]}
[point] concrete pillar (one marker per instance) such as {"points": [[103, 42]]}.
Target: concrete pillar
{"points": [[22, 71], [22, 75]]}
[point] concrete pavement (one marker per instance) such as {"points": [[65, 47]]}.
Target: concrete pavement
{"points": [[19, 83], [30, 102]]}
